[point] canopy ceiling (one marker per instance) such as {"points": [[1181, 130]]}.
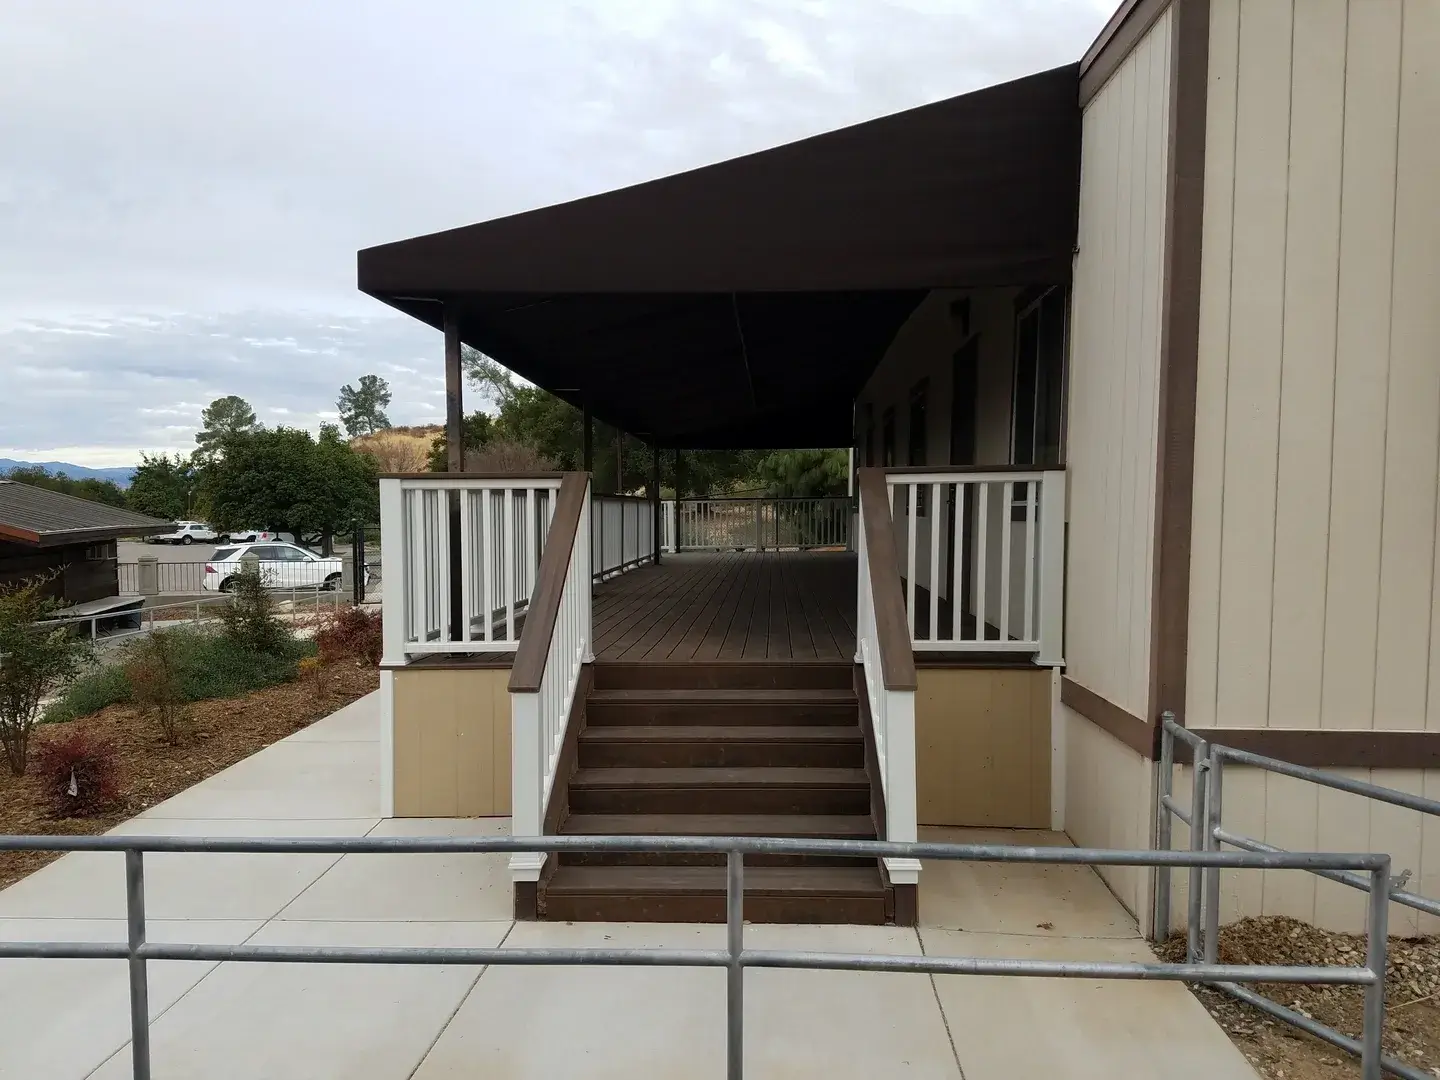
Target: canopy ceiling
{"points": [[744, 304]]}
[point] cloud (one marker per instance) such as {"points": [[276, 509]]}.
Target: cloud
{"points": [[184, 186]]}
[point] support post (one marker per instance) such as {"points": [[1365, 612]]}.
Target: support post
{"points": [[1376, 932], [454, 460], [619, 462], [655, 501], [1160, 924], [587, 451], [1214, 787], [149, 574], [735, 972], [139, 979]]}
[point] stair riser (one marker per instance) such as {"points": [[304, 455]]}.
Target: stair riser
{"points": [[641, 858], [732, 753], [699, 676], [720, 800], [707, 908], [718, 714]]}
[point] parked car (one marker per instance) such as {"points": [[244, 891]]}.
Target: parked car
{"points": [[282, 566], [190, 532], [250, 536]]}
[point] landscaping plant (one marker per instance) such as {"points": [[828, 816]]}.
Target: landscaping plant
{"points": [[78, 773], [153, 668], [250, 621], [351, 632], [35, 660]]}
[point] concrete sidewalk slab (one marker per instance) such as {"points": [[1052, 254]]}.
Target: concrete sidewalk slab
{"points": [[62, 1018], [315, 1021], [1079, 1029], [427, 888], [91, 885], [1017, 898], [357, 722], [291, 779]]}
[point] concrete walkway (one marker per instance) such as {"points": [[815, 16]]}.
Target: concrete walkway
{"points": [[69, 1019]]}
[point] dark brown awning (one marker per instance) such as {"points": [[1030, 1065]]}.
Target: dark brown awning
{"points": [[746, 303]]}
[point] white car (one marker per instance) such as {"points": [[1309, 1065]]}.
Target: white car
{"points": [[189, 532], [282, 566], [250, 536]]}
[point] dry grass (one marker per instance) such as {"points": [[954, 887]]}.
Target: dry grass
{"points": [[1278, 1051], [219, 734], [401, 449]]}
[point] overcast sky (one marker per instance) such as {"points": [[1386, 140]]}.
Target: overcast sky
{"points": [[184, 185]]}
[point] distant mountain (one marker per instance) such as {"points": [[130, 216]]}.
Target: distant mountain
{"points": [[121, 476]]}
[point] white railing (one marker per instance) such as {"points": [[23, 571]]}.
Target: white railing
{"points": [[622, 533], [982, 554], [762, 524], [502, 525], [882, 651], [546, 677]]}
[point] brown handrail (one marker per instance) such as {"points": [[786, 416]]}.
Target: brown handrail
{"points": [[544, 608], [922, 469], [897, 657]]}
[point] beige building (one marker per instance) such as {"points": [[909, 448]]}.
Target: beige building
{"points": [[1140, 362]]}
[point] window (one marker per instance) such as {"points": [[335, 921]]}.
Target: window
{"points": [[289, 554], [1039, 381]]}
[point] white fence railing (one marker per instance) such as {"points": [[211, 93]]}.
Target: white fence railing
{"points": [[891, 699], [546, 675], [502, 525], [622, 533], [983, 558], [758, 524]]}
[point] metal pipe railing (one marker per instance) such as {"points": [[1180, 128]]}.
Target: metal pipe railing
{"points": [[735, 958], [1208, 762]]}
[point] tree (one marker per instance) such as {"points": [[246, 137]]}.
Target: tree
{"points": [[286, 480], [224, 417], [163, 487], [35, 660], [804, 473], [362, 408], [95, 490], [476, 431]]}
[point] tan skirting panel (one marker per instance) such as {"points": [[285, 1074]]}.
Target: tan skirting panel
{"points": [[982, 747], [452, 742]]}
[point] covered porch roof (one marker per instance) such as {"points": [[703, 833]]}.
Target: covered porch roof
{"points": [[745, 304]]}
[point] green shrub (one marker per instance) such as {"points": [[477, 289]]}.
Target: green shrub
{"points": [[205, 665]]}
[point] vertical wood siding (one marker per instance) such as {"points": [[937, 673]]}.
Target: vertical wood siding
{"points": [[1313, 566], [1115, 361], [452, 742]]}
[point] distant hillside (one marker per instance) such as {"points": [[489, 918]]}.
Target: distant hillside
{"points": [[399, 449], [121, 476]]}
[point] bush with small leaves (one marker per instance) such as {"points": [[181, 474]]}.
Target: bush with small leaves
{"points": [[36, 658], [153, 667], [79, 773], [250, 621], [351, 632]]}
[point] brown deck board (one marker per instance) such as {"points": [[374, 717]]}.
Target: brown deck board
{"points": [[771, 606]]}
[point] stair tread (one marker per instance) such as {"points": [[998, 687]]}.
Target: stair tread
{"points": [[713, 777], [809, 826], [723, 697], [721, 733], [813, 880]]}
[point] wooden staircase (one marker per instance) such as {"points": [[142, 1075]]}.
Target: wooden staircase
{"points": [[718, 749]]}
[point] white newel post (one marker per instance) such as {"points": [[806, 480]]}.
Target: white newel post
{"points": [[900, 824], [392, 629], [1052, 569], [525, 782], [586, 578]]}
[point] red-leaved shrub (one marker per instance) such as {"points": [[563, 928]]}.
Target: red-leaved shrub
{"points": [[79, 773], [350, 632]]}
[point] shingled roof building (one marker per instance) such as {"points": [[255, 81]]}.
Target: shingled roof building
{"points": [[45, 533]]}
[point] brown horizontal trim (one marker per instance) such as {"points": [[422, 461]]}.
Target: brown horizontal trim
{"points": [[1329, 749], [14, 532], [897, 660], [970, 469], [1008, 661], [473, 476], [454, 662], [1130, 729], [544, 608], [1130, 23]]}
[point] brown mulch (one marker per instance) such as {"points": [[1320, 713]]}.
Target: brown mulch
{"points": [[219, 733], [1280, 1052]]}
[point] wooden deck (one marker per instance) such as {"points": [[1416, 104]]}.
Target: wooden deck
{"points": [[730, 606]]}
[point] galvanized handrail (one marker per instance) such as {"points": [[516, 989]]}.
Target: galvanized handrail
{"points": [[137, 951], [1203, 919]]}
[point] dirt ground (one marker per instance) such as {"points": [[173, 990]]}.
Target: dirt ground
{"points": [[219, 734], [1278, 1051]]}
